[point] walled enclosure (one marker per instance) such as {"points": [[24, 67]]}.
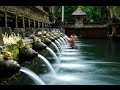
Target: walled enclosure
{"points": [[24, 16]]}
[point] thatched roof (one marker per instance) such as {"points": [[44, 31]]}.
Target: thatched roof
{"points": [[78, 12]]}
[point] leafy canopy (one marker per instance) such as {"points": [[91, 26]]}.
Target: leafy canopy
{"points": [[94, 13]]}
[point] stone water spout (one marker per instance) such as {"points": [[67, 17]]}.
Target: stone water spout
{"points": [[26, 54], [8, 68], [38, 45]]}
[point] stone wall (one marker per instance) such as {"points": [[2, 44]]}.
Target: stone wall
{"points": [[88, 32]]}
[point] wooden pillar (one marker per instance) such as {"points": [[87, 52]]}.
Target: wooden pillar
{"points": [[34, 23], [62, 13], [52, 10], [42, 24], [28, 22], [1, 38], [45, 24], [38, 24], [23, 22], [16, 22], [49, 25], [6, 19]]}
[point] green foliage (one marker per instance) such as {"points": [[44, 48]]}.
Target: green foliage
{"points": [[67, 13], [115, 11], [58, 11], [95, 13], [13, 49]]}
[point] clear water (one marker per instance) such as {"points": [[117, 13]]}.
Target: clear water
{"points": [[93, 62]]}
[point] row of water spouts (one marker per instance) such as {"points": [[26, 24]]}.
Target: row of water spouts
{"points": [[62, 40]]}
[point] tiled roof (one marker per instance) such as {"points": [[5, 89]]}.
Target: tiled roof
{"points": [[78, 12]]}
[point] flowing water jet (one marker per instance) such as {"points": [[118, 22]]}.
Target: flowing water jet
{"points": [[66, 37], [61, 43], [56, 47], [32, 75], [52, 52], [86, 68], [66, 40], [63, 40], [47, 63]]}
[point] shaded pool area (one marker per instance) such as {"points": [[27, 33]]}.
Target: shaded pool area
{"points": [[94, 62]]}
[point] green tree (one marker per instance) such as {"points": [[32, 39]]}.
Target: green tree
{"points": [[95, 13], [57, 11], [68, 13], [114, 11], [68, 10]]}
